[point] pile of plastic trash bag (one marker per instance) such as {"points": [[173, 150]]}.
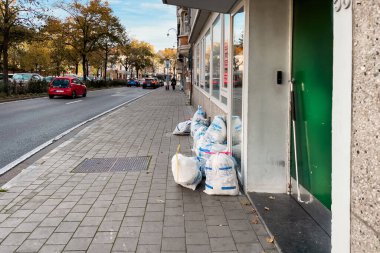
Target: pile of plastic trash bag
{"points": [[212, 158]]}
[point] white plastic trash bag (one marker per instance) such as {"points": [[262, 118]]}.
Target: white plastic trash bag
{"points": [[236, 130], [221, 175], [186, 170], [199, 120], [217, 131], [198, 136], [205, 148], [183, 128], [199, 114]]}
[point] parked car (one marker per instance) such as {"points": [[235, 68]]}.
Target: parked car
{"points": [[88, 79], [48, 79], [150, 83], [26, 78], [10, 76], [67, 86], [132, 82], [161, 81]]}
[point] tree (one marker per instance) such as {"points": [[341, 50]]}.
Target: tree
{"points": [[169, 54], [86, 26], [136, 54], [115, 34], [143, 54], [36, 57], [54, 33], [16, 16]]}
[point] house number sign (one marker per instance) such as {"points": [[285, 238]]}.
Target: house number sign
{"points": [[339, 4]]}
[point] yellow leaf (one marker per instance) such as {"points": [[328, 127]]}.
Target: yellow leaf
{"points": [[270, 239], [255, 220]]}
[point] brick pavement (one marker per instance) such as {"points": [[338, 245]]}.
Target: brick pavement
{"points": [[49, 209]]}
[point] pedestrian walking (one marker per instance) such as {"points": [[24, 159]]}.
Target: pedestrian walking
{"points": [[174, 83]]}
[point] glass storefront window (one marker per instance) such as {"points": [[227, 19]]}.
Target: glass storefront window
{"points": [[216, 43], [207, 62], [225, 49], [201, 63], [237, 85], [197, 62]]}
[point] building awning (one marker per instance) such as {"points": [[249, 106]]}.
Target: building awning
{"points": [[222, 6]]}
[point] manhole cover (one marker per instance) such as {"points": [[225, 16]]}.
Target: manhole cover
{"points": [[99, 165]]}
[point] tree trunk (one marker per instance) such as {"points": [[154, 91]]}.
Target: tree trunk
{"points": [[87, 68], [105, 64], [76, 68], [5, 63], [84, 67]]}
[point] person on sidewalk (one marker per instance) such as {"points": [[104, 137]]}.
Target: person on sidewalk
{"points": [[174, 83]]}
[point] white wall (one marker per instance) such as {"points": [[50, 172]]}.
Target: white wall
{"points": [[267, 103]]}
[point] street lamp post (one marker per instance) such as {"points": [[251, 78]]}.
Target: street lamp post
{"points": [[175, 43]]}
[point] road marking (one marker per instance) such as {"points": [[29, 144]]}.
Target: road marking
{"points": [[69, 103], [44, 145]]}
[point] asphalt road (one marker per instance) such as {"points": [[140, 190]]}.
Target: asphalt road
{"points": [[26, 124]]}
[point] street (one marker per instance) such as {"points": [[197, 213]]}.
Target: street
{"points": [[26, 124]]}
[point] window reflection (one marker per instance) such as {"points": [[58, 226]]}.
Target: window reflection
{"points": [[226, 49], [216, 42], [237, 88], [207, 61]]}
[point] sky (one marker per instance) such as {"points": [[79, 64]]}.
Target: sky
{"points": [[146, 20]]}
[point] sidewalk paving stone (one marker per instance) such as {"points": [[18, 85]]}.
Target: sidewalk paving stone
{"points": [[51, 209]]}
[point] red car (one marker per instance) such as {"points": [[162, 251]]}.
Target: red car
{"points": [[67, 86]]}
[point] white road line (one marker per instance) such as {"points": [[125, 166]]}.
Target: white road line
{"points": [[44, 145], [69, 103]]}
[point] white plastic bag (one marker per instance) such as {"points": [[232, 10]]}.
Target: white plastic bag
{"points": [[205, 148], [198, 135], [186, 170], [183, 128], [217, 131], [236, 130], [221, 175], [199, 114], [199, 120]]}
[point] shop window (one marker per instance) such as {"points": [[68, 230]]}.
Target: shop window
{"points": [[201, 63], [226, 59], [196, 64], [237, 84], [207, 61], [216, 44]]}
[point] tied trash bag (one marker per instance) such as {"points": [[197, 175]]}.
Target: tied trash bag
{"points": [[217, 131], [221, 175], [183, 128], [205, 148], [236, 130], [186, 170], [199, 120], [198, 136], [199, 114]]}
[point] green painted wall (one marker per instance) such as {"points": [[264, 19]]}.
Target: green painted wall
{"points": [[312, 66]]}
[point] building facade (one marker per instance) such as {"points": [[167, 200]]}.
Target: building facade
{"points": [[303, 77]]}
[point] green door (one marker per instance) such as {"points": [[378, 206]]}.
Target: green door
{"points": [[312, 74]]}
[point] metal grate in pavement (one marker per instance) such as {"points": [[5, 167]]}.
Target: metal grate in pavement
{"points": [[122, 164]]}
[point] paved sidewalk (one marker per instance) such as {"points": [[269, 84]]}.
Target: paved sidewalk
{"points": [[47, 208]]}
